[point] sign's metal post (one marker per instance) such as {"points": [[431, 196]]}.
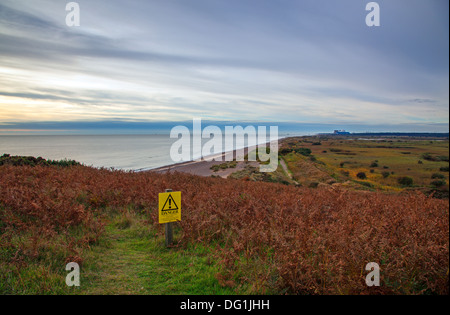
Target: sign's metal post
{"points": [[168, 229]]}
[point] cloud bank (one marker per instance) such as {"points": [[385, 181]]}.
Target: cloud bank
{"points": [[306, 61]]}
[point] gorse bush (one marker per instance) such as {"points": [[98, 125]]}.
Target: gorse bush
{"points": [[405, 181], [361, 175], [438, 158], [282, 239], [303, 151], [438, 183]]}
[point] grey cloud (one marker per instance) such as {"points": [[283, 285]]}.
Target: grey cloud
{"points": [[258, 51]]}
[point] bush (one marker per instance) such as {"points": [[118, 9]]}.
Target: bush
{"points": [[285, 151], [438, 183], [303, 151], [385, 174], [7, 159], [427, 156], [374, 164], [444, 169], [437, 176], [439, 158], [405, 181], [361, 175]]}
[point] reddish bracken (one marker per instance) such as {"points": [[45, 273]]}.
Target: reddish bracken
{"points": [[279, 238]]}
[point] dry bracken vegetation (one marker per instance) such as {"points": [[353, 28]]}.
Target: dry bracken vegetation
{"points": [[281, 239]]}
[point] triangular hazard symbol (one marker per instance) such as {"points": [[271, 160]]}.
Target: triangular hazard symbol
{"points": [[170, 204]]}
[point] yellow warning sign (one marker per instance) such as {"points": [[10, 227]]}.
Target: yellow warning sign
{"points": [[170, 207]]}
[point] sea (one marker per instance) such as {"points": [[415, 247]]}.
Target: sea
{"points": [[124, 152]]}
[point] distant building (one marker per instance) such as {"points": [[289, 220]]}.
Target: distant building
{"points": [[341, 132]]}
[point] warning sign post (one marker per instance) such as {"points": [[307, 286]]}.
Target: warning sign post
{"points": [[169, 211], [169, 206]]}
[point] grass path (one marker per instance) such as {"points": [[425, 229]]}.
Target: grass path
{"points": [[133, 260], [287, 171]]}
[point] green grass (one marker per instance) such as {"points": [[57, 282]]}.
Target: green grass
{"points": [[34, 279], [132, 259]]}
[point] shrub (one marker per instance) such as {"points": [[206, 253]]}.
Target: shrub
{"points": [[303, 151], [444, 169], [438, 183], [439, 158], [361, 175], [285, 151], [405, 181], [7, 159], [385, 174], [437, 176], [374, 164], [427, 156]]}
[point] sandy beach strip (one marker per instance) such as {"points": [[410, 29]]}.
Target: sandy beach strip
{"points": [[203, 167]]}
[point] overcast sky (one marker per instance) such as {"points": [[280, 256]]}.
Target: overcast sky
{"points": [[306, 61]]}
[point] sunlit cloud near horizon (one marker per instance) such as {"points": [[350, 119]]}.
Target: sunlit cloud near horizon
{"points": [[304, 61]]}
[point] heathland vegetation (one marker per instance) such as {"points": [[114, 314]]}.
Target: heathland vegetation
{"points": [[394, 164], [236, 235]]}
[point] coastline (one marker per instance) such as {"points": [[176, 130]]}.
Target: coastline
{"points": [[203, 167]]}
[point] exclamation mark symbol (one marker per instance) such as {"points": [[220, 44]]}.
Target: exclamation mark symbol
{"points": [[170, 203]]}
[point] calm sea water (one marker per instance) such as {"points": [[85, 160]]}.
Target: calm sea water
{"points": [[128, 152]]}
